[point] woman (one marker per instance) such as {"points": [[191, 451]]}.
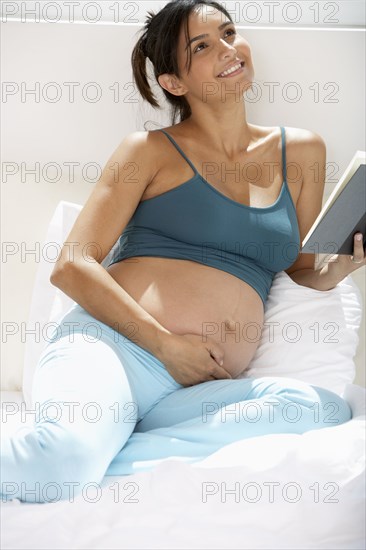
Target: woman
{"points": [[174, 312]]}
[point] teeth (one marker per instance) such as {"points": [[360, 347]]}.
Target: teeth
{"points": [[232, 70]]}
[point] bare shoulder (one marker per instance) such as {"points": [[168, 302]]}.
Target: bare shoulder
{"points": [[143, 140], [306, 160], [143, 148], [150, 141], [304, 143], [306, 152], [155, 144]]}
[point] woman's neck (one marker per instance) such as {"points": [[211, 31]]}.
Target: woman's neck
{"points": [[226, 131]]}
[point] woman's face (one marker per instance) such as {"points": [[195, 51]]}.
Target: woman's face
{"points": [[222, 47]]}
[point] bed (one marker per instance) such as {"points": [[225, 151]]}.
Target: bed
{"points": [[275, 491]]}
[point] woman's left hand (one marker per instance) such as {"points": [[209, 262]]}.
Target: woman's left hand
{"points": [[346, 264]]}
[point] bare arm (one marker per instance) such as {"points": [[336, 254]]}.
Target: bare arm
{"points": [[78, 272], [337, 266], [311, 156]]}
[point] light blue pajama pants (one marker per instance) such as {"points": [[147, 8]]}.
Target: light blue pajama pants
{"points": [[105, 406]]}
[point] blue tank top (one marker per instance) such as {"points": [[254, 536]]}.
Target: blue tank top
{"points": [[194, 221]]}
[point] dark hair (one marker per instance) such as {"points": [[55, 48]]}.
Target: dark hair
{"points": [[159, 42]]}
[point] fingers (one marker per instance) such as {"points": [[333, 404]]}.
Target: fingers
{"points": [[216, 356], [358, 256], [220, 372]]}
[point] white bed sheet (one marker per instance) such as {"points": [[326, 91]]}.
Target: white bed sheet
{"points": [[317, 498]]}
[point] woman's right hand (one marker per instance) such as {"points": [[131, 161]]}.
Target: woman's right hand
{"points": [[191, 361]]}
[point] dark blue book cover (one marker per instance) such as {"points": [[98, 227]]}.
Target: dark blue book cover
{"points": [[343, 215]]}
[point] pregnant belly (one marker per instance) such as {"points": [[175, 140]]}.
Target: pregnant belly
{"points": [[190, 298]]}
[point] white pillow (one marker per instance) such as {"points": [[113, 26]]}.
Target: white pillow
{"points": [[309, 334], [291, 311], [48, 302]]}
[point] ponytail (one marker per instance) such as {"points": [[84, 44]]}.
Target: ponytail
{"points": [[138, 60]]}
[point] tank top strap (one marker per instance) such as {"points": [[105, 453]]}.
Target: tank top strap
{"points": [[283, 136], [180, 150]]}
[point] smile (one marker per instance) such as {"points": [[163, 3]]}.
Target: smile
{"points": [[232, 71]]}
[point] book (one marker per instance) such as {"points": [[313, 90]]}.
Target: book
{"points": [[343, 214]]}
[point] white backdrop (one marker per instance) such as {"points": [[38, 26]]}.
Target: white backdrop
{"points": [[316, 77]]}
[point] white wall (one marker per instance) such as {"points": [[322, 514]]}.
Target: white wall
{"points": [[244, 12], [81, 131]]}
